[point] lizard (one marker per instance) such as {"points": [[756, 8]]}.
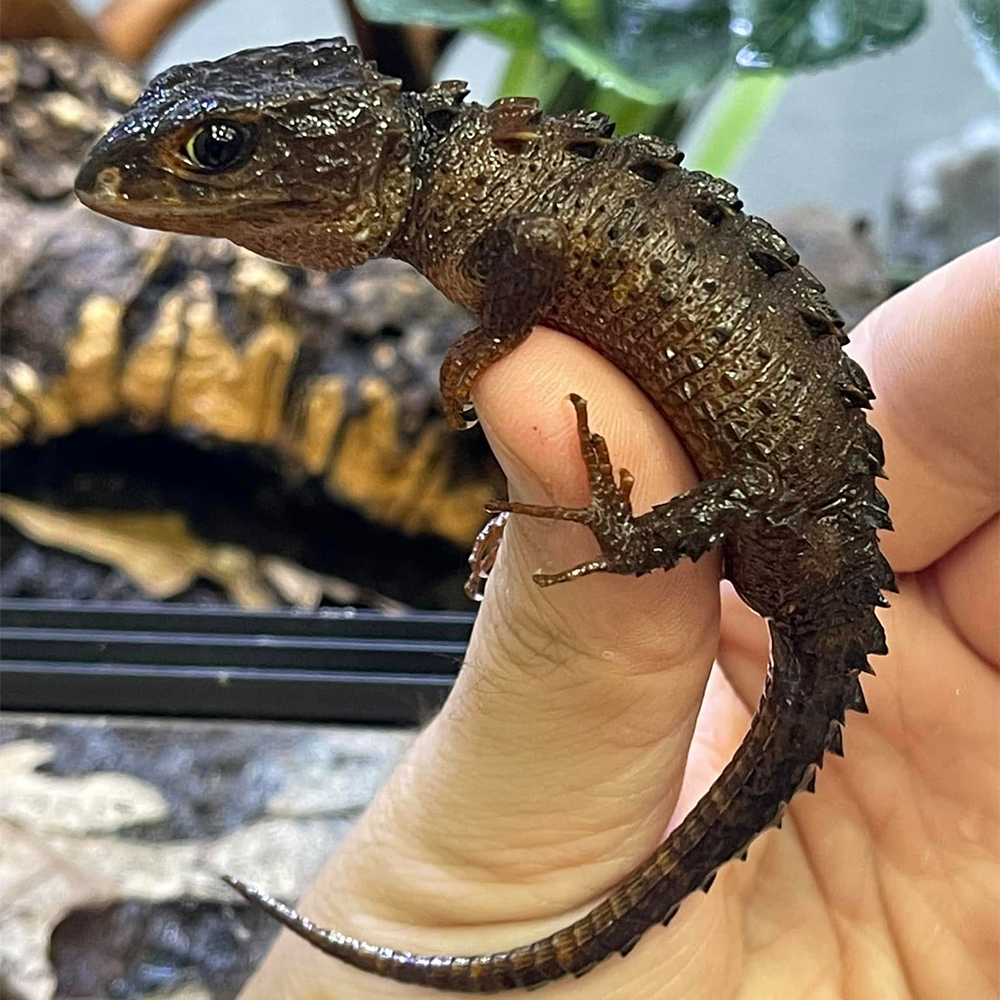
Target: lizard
{"points": [[306, 153]]}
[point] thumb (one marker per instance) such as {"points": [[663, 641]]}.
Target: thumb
{"points": [[562, 747]]}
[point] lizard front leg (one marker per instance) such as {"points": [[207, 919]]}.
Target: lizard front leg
{"points": [[687, 526], [518, 263]]}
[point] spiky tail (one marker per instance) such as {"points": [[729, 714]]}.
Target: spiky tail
{"points": [[812, 681]]}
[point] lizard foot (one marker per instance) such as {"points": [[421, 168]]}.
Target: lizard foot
{"points": [[608, 515]]}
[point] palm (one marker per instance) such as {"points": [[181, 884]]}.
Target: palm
{"points": [[565, 748], [886, 875]]}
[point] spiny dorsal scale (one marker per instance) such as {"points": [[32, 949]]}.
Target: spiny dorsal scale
{"points": [[858, 377], [524, 108], [818, 324], [455, 91], [768, 262], [587, 148], [884, 575], [874, 442], [628, 946], [709, 190], [442, 104], [855, 655], [711, 212], [648, 147], [587, 122], [875, 636], [854, 397], [441, 119], [855, 698], [860, 459], [651, 170], [878, 517], [768, 249]]}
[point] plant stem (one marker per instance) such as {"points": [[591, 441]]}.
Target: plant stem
{"points": [[630, 115], [732, 118], [530, 73]]}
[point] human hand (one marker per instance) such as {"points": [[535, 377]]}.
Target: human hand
{"points": [[570, 740]]}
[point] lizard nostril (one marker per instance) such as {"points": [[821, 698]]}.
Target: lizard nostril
{"points": [[98, 186], [107, 182]]}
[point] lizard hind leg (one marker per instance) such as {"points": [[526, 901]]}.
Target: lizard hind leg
{"points": [[608, 515], [465, 361], [687, 526]]}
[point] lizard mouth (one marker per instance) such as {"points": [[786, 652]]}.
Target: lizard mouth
{"points": [[106, 198], [100, 189]]}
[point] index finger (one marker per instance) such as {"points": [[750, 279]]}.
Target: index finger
{"points": [[932, 354]]}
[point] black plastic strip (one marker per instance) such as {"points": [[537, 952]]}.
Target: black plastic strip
{"points": [[336, 666], [210, 650], [246, 693], [442, 626]]}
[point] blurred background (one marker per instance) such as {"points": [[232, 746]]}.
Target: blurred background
{"points": [[233, 525], [839, 137]]}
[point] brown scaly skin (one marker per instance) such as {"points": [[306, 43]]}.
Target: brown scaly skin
{"points": [[527, 219]]}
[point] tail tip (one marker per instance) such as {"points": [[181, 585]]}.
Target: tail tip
{"points": [[244, 889]]}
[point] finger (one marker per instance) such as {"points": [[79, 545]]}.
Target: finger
{"points": [[555, 765], [562, 747], [744, 647], [968, 585], [933, 355], [576, 712]]}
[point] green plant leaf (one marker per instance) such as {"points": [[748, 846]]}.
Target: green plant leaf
{"points": [[504, 19], [799, 34], [649, 52], [530, 74], [439, 13], [982, 19], [659, 51]]}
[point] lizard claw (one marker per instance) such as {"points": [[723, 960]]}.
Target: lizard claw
{"points": [[461, 414], [584, 569], [581, 515]]}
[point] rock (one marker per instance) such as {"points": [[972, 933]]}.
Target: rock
{"points": [[838, 248], [946, 200]]}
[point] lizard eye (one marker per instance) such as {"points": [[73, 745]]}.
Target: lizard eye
{"points": [[220, 145]]}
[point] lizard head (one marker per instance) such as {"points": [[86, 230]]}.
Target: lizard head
{"points": [[300, 152]]}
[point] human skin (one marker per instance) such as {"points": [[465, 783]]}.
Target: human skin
{"points": [[588, 717]]}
